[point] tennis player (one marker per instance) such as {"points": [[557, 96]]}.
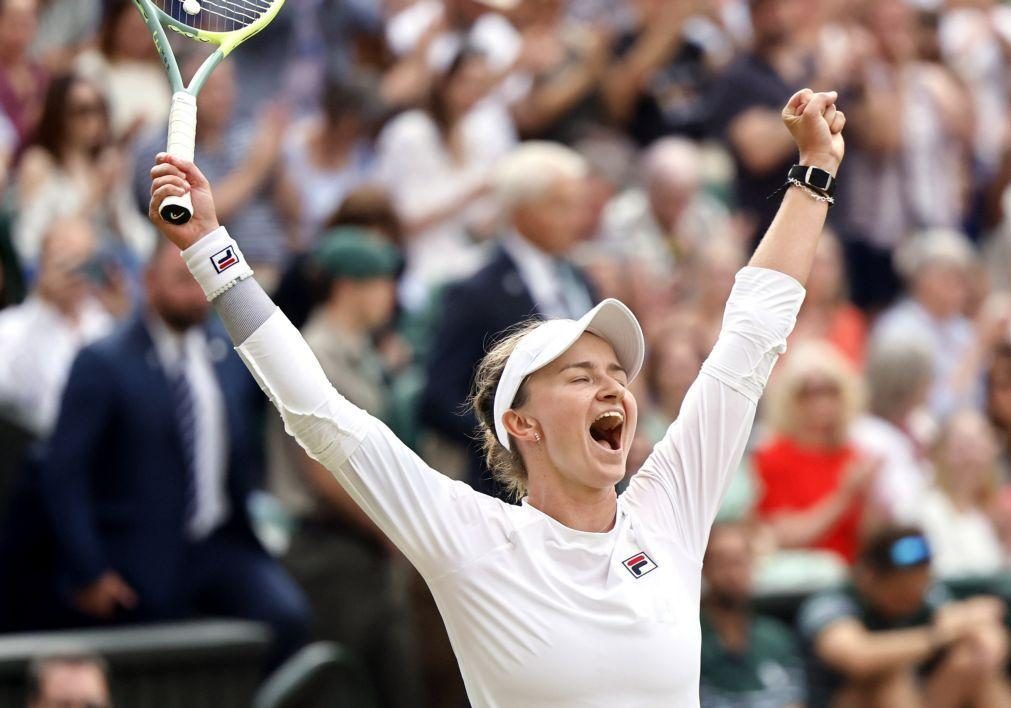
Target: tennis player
{"points": [[577, 597]]}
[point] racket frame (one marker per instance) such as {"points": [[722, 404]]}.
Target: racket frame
{"points": [[182, 115]]}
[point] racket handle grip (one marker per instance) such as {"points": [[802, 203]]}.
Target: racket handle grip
{"points": [[182, 132]]}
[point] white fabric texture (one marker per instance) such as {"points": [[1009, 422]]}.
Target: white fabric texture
{"points": [[540, 614], [964, 542], [39, 345]]}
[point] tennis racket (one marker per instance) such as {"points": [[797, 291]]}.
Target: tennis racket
{"points": [[223, 23]]}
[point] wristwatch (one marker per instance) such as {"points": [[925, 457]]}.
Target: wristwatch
{"points": [[814, 178]]}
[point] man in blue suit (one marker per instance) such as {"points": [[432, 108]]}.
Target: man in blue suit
{"points": [[148, 472], [543, 189]]}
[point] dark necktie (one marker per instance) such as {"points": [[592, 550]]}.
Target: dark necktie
{"points": [[182, 396]]}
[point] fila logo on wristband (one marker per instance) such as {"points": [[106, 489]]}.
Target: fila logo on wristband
{"points": [[639, 564], [224, 259]]}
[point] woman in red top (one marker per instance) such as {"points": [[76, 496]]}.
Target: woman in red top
{"points": [[813, 480]]}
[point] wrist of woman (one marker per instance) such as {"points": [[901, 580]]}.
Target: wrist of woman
{"points": [[822, 160]]}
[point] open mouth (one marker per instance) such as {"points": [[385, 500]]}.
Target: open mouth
{"points": [[606, 429]]}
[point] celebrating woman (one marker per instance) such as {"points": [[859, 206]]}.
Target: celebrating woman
{"points": [[577, 596]]}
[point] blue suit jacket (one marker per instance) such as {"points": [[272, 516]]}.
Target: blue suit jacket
{"points": [[112, 475], [476, 312]]}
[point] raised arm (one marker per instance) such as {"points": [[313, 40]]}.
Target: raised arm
{"points": [[436, 522], [682, 483], [789, 244]]}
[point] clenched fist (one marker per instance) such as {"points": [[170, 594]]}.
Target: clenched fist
{"points": [[816, 125]]}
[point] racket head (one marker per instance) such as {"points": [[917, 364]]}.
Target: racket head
{"points": [[224, 23]]}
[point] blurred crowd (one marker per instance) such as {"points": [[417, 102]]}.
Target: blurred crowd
{"points": [[411, 178]]}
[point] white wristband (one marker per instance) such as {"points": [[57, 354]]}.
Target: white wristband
{"points": [[216, 262]]}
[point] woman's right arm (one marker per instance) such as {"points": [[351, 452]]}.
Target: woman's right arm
{"points": [[435, 521]]}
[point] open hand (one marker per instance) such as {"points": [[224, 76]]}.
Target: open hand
{"points": [[816, 125], [172, 177]]}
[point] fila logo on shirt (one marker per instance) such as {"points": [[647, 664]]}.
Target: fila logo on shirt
{"points": [[639, 564], [224, 259]]}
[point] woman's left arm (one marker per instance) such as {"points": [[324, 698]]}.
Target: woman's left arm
{"points": [[683, 481]]}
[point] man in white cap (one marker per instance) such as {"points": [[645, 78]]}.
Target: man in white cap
{"points": [[578, 596]]}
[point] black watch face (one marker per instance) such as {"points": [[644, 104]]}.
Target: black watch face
{"points": [[820, 179]]}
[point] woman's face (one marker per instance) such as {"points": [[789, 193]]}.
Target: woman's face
{"points": [[819, 403], [584, 414], [86, 116]]}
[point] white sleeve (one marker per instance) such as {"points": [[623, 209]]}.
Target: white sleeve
{"points": [[438, 523], [681, 484]]}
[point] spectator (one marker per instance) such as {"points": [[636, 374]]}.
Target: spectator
{"points": [[708, 280], [748, 661], [244, 177], [957, 514], [936, 266], [665, 221], [22, 79], [68, 681], [665, 69], [345, 565], [73, 168], [149, 469], [542, 188], [427, 35], [907, 163], [673, 364], [563, 63], [896, 430], [827, 314], [441, 199], [65, 28], [746, 104], [328, 155], [814, 480], [998, 400], [64, 312], [304, 285], [126, 64], [894, 638]]}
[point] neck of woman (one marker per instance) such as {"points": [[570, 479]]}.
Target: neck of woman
{"points": [[573, 505]]}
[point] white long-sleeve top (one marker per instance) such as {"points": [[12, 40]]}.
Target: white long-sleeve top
{"points": [[540, 614]]}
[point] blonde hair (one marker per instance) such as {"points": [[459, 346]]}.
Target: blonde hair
{"points": [[506, 466], [812, 359]]}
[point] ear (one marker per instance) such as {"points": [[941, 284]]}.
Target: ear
{"points": [[521, 427]]}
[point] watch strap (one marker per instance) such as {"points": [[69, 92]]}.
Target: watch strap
{"points": [[814, 178]]}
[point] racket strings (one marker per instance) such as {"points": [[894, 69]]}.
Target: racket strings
{"points": [[216, 15]]}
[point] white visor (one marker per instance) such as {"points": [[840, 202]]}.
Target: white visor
{"points": [[610, 320]]}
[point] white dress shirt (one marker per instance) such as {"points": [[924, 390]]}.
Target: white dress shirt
{"points": [[540, 614], [37, 348], [210, 422], [539, 272]]}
